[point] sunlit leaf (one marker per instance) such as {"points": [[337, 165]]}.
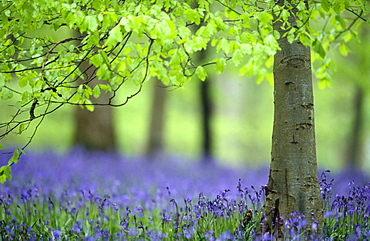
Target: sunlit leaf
{"points": [[2, 80], [21, 128], [325, 5], [237, 57], [97, 60], [317, 46], [89, 105], [92, 23], [323, 83], [115, 35], [304, 38], [23, 81], [201, 73], [15, 157], [343, 49], [96, 91], [2, 176], [220, 65], [121, 67]]}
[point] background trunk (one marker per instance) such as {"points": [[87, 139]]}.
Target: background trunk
{"points": [[95, 130], [293, 180], [355, 142], [206, 104], [206, 111], [156, 133]]}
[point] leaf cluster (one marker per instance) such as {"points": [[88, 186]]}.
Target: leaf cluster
{"points": [[55, 53]]}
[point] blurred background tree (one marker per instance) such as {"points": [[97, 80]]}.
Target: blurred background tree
{"points": [[357, 72], [95, 130], [157, 119], [206, 103]]}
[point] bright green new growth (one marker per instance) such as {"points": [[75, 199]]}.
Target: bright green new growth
{"points": [[136, 40]]}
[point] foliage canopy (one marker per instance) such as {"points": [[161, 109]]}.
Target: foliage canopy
{"points": [[45, 42]]}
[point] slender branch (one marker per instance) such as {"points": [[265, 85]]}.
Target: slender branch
{"points": [[347, 29], [37, 126], [358, 15], [144, 78], [228, 7], [47, 56]]}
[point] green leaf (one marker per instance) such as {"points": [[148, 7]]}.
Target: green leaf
{"points": [[220, 65], [206, 31], [291, 35], [93, 40], [115, 36], [175, 58], [265, 18], [339, 6], [341, 21], [305, 39], [2, 80], [23, 81], [107, 88], [323, 83], [1, 147], [121, 67], [103, 72], [96, 91], [18, 105], [89, 106], [214, 42], [237, 57], [7, 95], [105, 57], [5, 173], [21, 128], [15, 157], [343, 49], [196, 44], [97, 60], [2, 176], [192, 16], [347, 37], [223, 45], [8, 172], [317, 46], [325, 5], [92, 23], [201, 73]]}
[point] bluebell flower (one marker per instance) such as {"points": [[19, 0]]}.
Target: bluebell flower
{"points": [[57, 234]]}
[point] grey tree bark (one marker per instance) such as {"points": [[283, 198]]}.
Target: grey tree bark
{"points": [[293, 180]]}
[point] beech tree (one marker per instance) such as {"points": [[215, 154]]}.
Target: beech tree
{"points": [[293, 181], [131, 41]]}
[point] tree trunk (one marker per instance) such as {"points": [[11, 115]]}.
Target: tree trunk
{"points": [[358, 73], [156, 139], [95, 130], [206, 111], [354, 152], [293, 180], [206, 104]]}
